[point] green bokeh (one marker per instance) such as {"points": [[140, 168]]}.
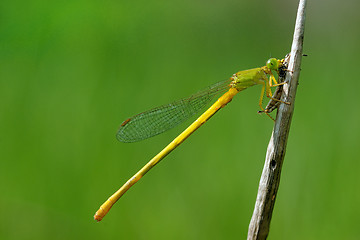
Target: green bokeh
{"points": [[71, 72]]}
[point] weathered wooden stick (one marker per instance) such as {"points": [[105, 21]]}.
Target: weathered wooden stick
{"points": [[270, 178]]}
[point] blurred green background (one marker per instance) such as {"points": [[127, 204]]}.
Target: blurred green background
{"points": [[72, 71]]}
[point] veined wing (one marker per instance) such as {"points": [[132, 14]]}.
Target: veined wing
{"points": [[165, 117]]}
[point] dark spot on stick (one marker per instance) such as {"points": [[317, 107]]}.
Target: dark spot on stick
{"points": [[273, 164]]}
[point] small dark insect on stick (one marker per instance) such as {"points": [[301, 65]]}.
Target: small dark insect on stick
{"points": [[270, 178], [272, 104]]}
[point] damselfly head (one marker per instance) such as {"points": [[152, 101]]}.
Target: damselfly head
{"points": [[273, 64]]}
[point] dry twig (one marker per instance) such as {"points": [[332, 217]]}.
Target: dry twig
{"points": [[270, 178]]}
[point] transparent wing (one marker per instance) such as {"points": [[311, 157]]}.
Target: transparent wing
{"points": [[165, 117]]}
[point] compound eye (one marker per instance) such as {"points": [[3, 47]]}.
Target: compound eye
{"points": [[272, 64]]}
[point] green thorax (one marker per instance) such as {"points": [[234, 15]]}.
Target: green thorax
{"points": [[248, 78]]}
